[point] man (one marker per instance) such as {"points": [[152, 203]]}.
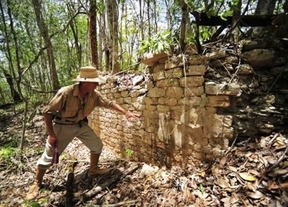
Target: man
{"points": [[65, 118]]}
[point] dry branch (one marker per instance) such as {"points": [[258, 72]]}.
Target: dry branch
{"points": [[279, 160], [107, 184], [69, 184]]}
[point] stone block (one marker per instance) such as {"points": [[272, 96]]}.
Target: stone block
{"points": [[158, 75], [174, 73], [195, 70], [174, 92], [193, 91], [167, 83], [197, 60], [232, 89], [218, 101], [156, 92], [192, 81]]}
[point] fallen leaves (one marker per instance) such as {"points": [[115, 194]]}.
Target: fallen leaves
{"points": [[255, 194], [247, 176], [252, 173]]}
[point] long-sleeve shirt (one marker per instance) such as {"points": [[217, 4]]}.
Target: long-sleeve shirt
{"points": [[67, 103]]}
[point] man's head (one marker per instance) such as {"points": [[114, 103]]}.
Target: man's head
{"points": [[89, 74]]}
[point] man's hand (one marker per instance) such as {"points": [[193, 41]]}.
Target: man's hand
{"points": [[129, 115], [52, 141]]}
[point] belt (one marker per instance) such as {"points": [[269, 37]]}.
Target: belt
{"points": [[59, 120]]}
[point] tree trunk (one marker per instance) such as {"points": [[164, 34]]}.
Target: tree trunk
{"points": [[235, 21], [112, 14], [45, 35], [9, 76], [141, 20], [183, 25], [102, 38], [92, 32], [18, 79], [15, 95], [4, 98], [264, 7], [74, 28]]}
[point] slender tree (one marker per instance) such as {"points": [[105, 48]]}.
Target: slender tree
{"points": [[14, 93], [74, 25], [11, 75], [45, 35], [93, 33], [19, 78], [184, 21], [235, 20], [112, 17], [63, 29]]}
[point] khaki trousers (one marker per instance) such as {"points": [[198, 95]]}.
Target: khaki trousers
{"points": [[65, 134]]}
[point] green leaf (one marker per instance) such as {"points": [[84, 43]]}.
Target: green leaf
{"points": [[35, 204]]}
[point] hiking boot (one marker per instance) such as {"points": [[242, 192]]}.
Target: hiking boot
{"points": [[35, 187], [94, 170], [33, 191]]}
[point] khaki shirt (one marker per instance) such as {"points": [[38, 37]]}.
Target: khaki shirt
{"points": [[67, 103]]}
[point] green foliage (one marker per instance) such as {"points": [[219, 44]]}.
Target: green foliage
{"points": [[205, 33], [36, 99], [161, 42], [42, 200], [27, 203], [67, 27], [6, 152], [224, 14], [129, 152], [35, 204], [201, 188], [100, 7], [20, 106]]}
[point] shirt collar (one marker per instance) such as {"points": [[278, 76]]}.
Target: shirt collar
{"points": [[76, 90]]}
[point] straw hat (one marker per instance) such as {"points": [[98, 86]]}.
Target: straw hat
{"points": [[89, 74]]}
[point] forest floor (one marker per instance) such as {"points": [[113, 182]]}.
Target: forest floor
{"points": [[251, 173]]}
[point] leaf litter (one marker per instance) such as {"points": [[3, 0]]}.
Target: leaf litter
{"points": [[252, 173]]}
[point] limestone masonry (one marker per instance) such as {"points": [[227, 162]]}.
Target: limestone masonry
{"points": [[192, 107]]}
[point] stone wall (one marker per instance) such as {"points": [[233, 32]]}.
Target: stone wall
{"points": [[179, 121], [192, 106]]}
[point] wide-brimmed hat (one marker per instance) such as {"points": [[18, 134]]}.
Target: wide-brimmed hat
{"points": [[89, 74]]}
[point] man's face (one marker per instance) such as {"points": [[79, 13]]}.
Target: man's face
{"points": [[89, 86]]}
